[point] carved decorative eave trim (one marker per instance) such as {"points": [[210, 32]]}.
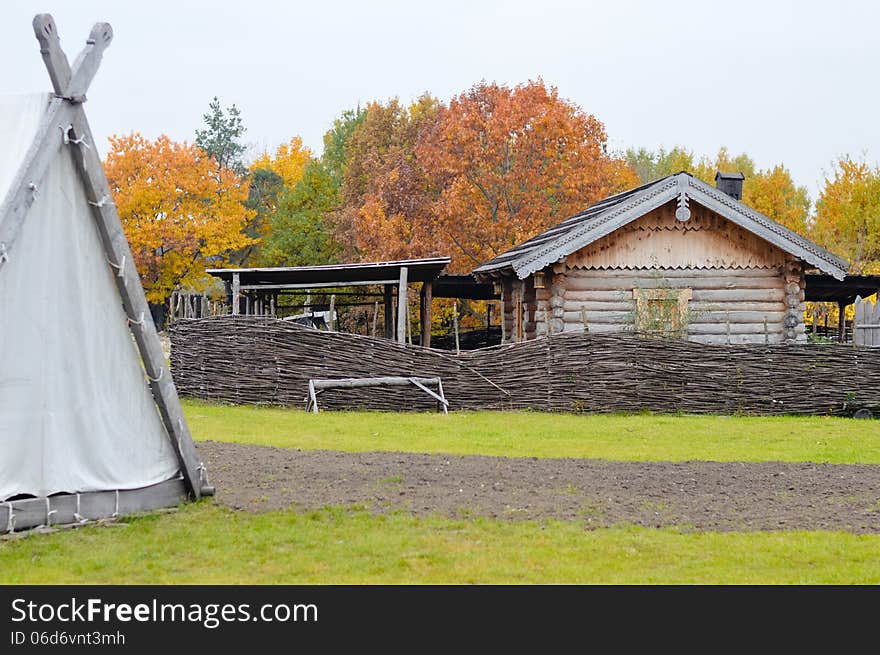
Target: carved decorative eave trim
{"points": [[682, 188]]}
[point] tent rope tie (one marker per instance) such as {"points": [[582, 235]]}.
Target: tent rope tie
{"points": [[119, 267], [81, 142], [105, 199], [49, 513], [10, 519], [33, 188], [65, 135], [158, 377], [116, 510], [79, 517], [4, 255], [140, 321]]}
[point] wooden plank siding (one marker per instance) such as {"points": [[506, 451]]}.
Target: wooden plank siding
{"points": [[658, 240]]}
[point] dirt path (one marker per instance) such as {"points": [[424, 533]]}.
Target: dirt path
{"points": [[698, 495]]}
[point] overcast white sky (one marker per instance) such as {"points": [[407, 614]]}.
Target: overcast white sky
{"points": [[790, 82]]}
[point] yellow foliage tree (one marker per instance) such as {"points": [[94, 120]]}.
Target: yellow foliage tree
{"points": [[772, 192], [288, 163], [181, 212], [848, 215]]}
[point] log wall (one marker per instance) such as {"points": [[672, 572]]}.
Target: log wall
{"points": [[744, 290], [734, 302], [248, 359]]}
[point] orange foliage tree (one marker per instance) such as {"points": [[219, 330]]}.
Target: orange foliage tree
{"points": [[386, 201], [180, 210], [507, 163]]}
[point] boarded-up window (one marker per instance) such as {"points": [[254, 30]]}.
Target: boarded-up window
{"points": [[663, 312]]}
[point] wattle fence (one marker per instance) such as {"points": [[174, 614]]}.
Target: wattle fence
{"points": [[248, 359]]}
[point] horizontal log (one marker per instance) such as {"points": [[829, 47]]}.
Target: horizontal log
{"points": [[735, 317], [738, 295], [735, 328], [735, 339], [606, 306], [700, 307], [596, 328], [622, 318], [352, 383], [602, 283], [607, 295], [93, 505]]}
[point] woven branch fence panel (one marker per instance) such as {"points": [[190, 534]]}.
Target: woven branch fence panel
{"points": [[248, 359]]}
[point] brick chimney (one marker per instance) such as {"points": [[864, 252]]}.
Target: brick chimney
{"points": [[730, 183]]}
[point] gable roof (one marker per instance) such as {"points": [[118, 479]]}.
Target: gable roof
{"points": [[614, 212]]}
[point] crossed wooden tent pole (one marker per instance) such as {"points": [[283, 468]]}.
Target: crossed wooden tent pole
{"points": [[66, 120]]}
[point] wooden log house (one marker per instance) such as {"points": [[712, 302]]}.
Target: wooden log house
{"points": [[675, 257]]}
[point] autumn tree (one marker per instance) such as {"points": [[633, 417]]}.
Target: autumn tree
{"points": [[299, 234], [847, 220], [221, 137], [265, 189], [386, 204], [288, 162], [302, 230], [181, 211], [651, 165], [507, 163], [772, 192]]}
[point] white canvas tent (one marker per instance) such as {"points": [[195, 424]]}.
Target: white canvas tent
{"points": [[90, 422]]}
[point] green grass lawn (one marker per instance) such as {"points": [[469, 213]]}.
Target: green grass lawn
{"points": [[641, 437], [204, 543]]}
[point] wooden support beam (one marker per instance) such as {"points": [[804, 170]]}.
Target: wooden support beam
{"points": [[236, 293], [53, 56], [841, 321], [389, 311], [314, 285], [455, 325], [331, 313], [401, 305], [425, 314]]}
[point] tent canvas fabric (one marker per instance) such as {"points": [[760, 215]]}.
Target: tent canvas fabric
{"points": [[75, 412], [90, 422]]}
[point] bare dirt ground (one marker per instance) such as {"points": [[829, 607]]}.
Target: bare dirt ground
{"points": [[691, 495]]}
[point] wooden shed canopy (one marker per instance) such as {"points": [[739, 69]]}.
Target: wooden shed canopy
{"points": [[464, 286], [333, 275], [825, 288], [614, 212]]}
